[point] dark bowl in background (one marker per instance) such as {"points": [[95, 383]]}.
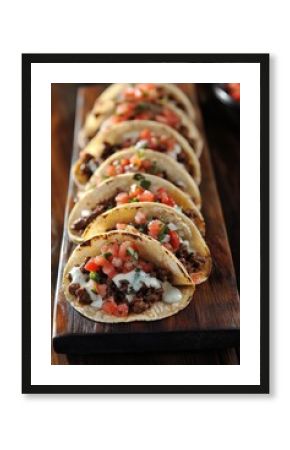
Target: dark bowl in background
{"points": [[230, 107]]}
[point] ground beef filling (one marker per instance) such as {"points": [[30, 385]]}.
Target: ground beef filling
{"points": [[140, 301], [80, 224], [110, 149], [88, 165], [76, 290], [191, 260], [178, 104]]}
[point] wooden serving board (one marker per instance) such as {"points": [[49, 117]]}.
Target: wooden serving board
{"points": [[212, 318]]}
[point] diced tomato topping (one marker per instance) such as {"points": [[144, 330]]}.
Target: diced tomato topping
{"points": [[129, 93], [174, 239], [109, 269], [140, 218], [122, 310], [117, 262], [161, 119], [153, 143], [146, 266], [146, 164], [113, 248], [135, 190], [154, 228], [119, 169], [123, 254], [111, 171], [125, 162], [136, 160], [92, 266], [146, 86], [167, 142], [165, 198], [110, 307], [168, 246], [100, 260], [171, 118], [101, 289], [145, 134], [104, 248], [128, 266], [170, 201], [146, 196], [125, 109], [121, 226], [143, 116], [122, 198]]}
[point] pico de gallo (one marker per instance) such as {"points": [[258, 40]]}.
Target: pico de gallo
{"points": [[168, 234], [119, 282], [150, 92], [144, 110], [140, 191], [138, 139], [136, 163]]}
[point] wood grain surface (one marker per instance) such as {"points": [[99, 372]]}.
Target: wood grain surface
{"points": [[215, 306]]}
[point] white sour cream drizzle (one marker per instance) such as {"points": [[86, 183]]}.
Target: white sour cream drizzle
{"points": [[186, 244], [170, 293], [175, 151], [141, 144], [80, 278], [85, 213], [172, 226], [135, 279], [92, 165]]}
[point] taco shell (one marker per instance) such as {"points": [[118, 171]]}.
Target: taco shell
{"points": [[151, 251]]}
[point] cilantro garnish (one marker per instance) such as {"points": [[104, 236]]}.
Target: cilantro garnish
{"points": [[163, 233], [132, 253], [138, 176], [145, 183]]}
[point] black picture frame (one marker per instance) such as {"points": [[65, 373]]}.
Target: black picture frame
{"points": [[263, 60]]}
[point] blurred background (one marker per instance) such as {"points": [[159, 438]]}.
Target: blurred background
{"points": [[221, 115]]}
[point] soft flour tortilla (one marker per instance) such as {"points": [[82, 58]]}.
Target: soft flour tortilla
{"points": [[109, 188], [115, 134], [110, 94], [106, 103], [95, 123], [126, 214], [151, 251], [174, 171]]}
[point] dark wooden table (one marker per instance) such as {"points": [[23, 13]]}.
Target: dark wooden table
{"points": [[224, 141]]}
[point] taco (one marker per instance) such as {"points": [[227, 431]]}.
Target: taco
{"points": [[129, 188], [140, 134], [154, 92], [124, 277], [165, 113], [145, 162], [171, 228]]}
